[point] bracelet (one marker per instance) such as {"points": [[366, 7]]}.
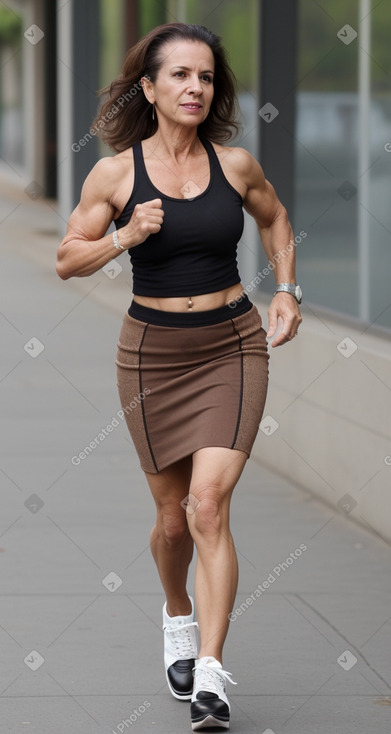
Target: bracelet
{"points": [[116, 241]]}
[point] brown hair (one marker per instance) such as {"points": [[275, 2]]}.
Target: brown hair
{"points": [[125, 115]]}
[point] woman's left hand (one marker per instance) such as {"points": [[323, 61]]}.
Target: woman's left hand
{"points": [[284, 307]]}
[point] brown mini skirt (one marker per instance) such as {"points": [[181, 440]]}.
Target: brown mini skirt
{"points": [[191, 380]]}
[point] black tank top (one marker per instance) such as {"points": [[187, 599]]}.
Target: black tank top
{"points": [[195, 250]]}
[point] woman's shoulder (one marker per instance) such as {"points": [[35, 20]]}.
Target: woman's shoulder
{"points": [[238, 157], [106, 177], [236, 160], [111, 166]]}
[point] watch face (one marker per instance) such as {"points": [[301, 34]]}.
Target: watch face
{"points": [[298, 293]]}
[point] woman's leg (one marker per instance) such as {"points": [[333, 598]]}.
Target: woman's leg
{"points": [[170, 539], [215, 473]]}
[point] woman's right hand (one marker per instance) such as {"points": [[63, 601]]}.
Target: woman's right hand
{"points": [[147, 218]]}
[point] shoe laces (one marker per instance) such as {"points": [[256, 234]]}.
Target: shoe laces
{"points": [[182, 639], [212, 679]]}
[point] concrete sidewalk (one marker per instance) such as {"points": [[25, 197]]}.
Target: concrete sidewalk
{"points": [[80, 629]]}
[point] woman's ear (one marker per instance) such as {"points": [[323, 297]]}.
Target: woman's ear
{"points": [[147, 86]]}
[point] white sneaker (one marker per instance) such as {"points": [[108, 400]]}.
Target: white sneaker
{"points": [[181, 642], [209, 702]]}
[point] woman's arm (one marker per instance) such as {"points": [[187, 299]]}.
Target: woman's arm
{"points": [[85, 249], [276, 234]]}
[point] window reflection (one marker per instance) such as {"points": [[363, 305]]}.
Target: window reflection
{"points": [[11, 109]]}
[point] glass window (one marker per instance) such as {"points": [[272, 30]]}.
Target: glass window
{"points": [[343, 136], [11, 108], [150, 15], [326, 202], [377, 259], [112, 39], [112, 49]]}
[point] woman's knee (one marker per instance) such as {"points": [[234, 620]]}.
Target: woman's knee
{"points": [[207, 511], [173, 526]]}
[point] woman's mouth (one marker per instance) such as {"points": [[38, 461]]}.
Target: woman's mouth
{"points": [[191, 106]]}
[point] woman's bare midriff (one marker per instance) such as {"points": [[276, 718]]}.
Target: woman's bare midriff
{"points": [[204, 302]]}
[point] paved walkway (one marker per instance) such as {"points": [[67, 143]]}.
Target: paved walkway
{"points": [[80, 627]]}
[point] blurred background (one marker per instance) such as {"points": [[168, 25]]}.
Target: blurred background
{"points": [[327, 87], [325, 67]]}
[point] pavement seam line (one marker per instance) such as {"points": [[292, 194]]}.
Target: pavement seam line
{"points": [[345, 639]]}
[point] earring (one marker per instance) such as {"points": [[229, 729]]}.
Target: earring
{"points": [[153, 110]]}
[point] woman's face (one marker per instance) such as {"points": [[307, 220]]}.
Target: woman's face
{"points": [[183, 90]]}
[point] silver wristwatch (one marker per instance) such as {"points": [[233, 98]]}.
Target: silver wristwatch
{"points": [[291, 288]]}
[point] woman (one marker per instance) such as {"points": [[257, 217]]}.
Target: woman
{"points": [[192, 349]]}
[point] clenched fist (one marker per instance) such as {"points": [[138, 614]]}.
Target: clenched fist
{"points": [[147, 218]]}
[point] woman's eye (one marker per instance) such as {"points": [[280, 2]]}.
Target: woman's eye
{"points": [[205, 77]]}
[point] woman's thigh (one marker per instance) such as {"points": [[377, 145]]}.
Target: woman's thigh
{"points": [[170, 486], [216, 471], [211, 472]]}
